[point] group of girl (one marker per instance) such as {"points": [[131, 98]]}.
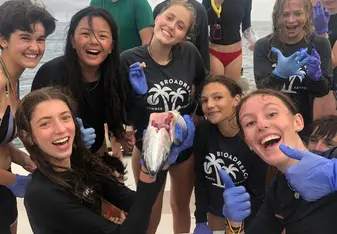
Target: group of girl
{"points": [[64, 133]]}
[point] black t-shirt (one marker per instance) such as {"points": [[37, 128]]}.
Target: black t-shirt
{"points": [[52, 209], [169, 86], [302, 91], [199, 34], [54, 73], [333, 38], [283, 209], [213, 151], [233, 15]]}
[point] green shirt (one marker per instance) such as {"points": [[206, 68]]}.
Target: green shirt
{"points": [[131, 17]]}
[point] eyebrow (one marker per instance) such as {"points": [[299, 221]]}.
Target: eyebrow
{"points": [[217, 93], [265, 107], [88, 29], [50, 117]]}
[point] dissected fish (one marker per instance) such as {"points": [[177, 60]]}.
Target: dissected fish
{"points": [[159, 137]]}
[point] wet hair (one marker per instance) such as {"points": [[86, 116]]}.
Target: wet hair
{"points": [[275, 37], [188, 7], [21, 15], [230, 84], [325, 127], [267, 92], [87, 170], [115, 98]]}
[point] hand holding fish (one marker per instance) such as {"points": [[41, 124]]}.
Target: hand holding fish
{"points": [[186, 142], [137, 78]]}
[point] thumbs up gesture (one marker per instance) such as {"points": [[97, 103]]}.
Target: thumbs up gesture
{"points": [[313, 176], [236, 200]]}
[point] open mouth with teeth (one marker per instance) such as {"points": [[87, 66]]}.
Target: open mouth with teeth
{"points": [[291, 28], [270, 141], [61, 142], [93, 52]]}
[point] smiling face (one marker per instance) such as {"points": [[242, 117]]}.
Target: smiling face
{"points": [[25, 49], [330, 5], [53, 130], [92, 43], [266, 123], [172, 25], [217, 103], [292, 20]]}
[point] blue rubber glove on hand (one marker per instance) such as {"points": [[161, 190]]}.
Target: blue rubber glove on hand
{"points": [[20, 185], [236, 199], [288, 66], [202, 228], [314, 66], [321, 19], [88, 135], [137, 78], [186, 143], [313, 176]]}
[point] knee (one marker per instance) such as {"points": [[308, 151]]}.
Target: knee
{"points": [[180, 205]]}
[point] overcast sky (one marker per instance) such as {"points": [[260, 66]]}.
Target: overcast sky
{"points": [[64, 9]]}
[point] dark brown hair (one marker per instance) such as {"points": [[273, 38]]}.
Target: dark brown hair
{"points": [[21, 14], [267, 92], [87, 170], [325, 127]]}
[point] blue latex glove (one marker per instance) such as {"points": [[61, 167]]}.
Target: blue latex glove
{"points": [[314, 66], [288, 66], [20, 185], [236, 199], [321, 19], [313, 176], [202, 228], [186, 143], [88, 135], [137, 78]]}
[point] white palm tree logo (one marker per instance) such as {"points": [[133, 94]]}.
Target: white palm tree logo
{"points": [[175, 96], [159, 92], [216, 163], [231, 169]]}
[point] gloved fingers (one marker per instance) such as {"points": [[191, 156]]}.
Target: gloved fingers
{"points": [[234, 190], [89, 131], [304, 62], [134, 73], [277, 51], [226, 179], [190, 127], [327, 14], [137, 64], [178, 133], [244, 206], [139, 69], [315, 54], [290, 152], [80, 123], [89, 143]]}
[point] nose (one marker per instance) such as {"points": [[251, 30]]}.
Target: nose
{"points": [[262, 125], [34, 46], [59, 126], [93, 39], [291, 18], [210, 104]]}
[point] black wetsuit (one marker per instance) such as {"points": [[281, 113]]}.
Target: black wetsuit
{"points": [[55, 73], [302, 91], [212, 150], [282, 208], [199, 34], [233, 15], [52, 209], [169, 86]]}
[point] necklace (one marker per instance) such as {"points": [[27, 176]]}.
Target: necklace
{"points": [[149, 49], [91, 89], [216, 9], [296, 194], [3, 64]]}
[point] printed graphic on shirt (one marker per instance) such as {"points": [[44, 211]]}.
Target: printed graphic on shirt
{"points": [[295, 82], [169, 95], [223, 160]]}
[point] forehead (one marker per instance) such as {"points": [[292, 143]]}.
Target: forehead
{"points": [[36, 29], [292, 5], [96, 22], [50, 107], [180, 12], [257, 102], [215, 87]]}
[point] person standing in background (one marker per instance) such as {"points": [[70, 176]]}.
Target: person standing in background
{"points": [[134, 19], [199, 35]]}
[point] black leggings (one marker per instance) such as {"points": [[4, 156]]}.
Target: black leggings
{"points": [[8, 209]]}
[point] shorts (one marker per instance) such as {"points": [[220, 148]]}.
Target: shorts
{"points": [[8, 209]]}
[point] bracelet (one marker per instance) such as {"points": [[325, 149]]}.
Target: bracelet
{"points": [[234, 230], [145, 172]]}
